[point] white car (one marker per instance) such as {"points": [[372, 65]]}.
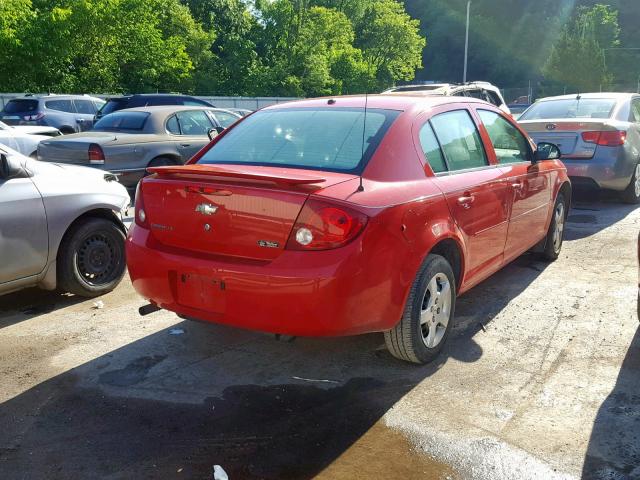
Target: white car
{"points": [[481, 90], [32, 129], [21, 140], [61, 226]]}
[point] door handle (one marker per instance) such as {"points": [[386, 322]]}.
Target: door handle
{"points": [[466, 200], [185, 144]]}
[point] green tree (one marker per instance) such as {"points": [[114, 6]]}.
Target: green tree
{"points": [[577, 59]]}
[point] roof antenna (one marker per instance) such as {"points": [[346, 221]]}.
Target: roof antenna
{"points": [[364, 128]]}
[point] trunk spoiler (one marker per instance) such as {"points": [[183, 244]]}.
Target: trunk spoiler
{"points": [[265, 174]]}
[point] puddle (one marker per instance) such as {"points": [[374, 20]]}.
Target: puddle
{"points": [[385, 453]]}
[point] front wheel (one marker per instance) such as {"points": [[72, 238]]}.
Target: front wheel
{"points": [[632, 193], [428, 314], [91, 258], [555, 234]]}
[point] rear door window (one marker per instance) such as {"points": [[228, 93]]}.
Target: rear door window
{"points": [[84, 106], [509, 144], [194, 122], [60, 105], [460, 140], [224, 119], [431, 149]]}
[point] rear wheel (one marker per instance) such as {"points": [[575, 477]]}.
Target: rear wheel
{"points": [[161, 162], [91, 258], [428, 314], [632, 193], [555, 234]]}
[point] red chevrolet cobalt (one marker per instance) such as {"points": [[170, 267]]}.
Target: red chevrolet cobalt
{"points": [[347, 215]]}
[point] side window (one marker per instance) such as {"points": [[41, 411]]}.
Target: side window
{"points": [[492, 97], [60, 105], [635, 110], [172, 125], [84, 106], [224, 119], [510, 145], [194, 122], [431, 149], [460, 140]]}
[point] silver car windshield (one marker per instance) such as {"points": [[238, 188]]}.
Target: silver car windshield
{"points": [[571, 108]]}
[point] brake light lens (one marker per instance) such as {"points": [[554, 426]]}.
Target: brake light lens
{"points": [[141, 215], [606, 138], [96, 155], [323, 226]]}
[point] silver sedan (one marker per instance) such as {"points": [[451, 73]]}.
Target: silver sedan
{"points": [[598, 135], [61, 226], [129, 141]]}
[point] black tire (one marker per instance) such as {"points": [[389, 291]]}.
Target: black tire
{"points": [[632, 194], [553, 245], [406, 340], [91, 258]]}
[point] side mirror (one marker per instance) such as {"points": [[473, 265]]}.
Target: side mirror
{"points": [[547, 151], [8, 168], [212, 133]]}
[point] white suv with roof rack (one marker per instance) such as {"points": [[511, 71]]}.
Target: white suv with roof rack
{"points": [[482, 90]]}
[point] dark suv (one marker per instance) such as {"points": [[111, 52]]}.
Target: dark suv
{"points": [[148, 100], [67, 113]]}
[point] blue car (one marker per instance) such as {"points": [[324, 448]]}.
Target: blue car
{"points": [[598, 135], [67, 113]]}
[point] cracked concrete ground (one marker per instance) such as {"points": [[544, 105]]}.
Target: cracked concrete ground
{"points": [[541, 379]]}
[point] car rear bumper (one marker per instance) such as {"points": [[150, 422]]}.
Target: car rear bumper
{"points": [[325, 293], [610, 168]]}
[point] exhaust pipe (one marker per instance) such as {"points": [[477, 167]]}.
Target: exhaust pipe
{"points": [[147, 309]]}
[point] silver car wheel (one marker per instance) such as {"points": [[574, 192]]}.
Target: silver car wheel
{"points": [[559, 227], [636, 185], [436, 310]]}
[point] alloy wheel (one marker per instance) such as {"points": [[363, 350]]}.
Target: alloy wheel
{"points": [[436, 310], [559, 227]]}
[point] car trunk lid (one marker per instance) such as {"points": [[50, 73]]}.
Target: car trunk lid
{"points": [[567, 134], [245, 212]]}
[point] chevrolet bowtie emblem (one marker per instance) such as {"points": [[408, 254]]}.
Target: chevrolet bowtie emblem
{"points": [[206, 209]]}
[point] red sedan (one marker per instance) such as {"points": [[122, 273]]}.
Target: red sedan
{"points": [[347, 215]]}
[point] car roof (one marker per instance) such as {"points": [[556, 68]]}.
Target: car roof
{"points": [[389, 101], [604, 95], [169, 109], [54, 96], [148, 95]]}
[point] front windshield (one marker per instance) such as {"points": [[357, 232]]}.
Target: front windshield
{"points": [[571, 108], [122, 121], [318, 139]]}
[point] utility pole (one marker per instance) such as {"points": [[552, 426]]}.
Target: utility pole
{"points": [[466, 44]]}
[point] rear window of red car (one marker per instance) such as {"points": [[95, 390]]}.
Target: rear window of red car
{"points": [[331, 139]]}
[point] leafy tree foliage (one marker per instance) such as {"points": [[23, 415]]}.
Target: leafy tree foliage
{"points": [[224, 47]]}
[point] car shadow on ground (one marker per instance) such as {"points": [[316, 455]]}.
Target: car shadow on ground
{"points": [[32, 302], [592, 212], [614, 446], [174, 403]]}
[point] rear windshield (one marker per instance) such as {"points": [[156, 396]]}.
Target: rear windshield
{"points": [[318, 139], [571, 108], [15, 106], [122, 121], [112, 105]]}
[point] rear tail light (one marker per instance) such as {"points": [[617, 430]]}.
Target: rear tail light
{"points": [[606, 138], [96, 155], [141, 215], [323, 226], [33, 118]]}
